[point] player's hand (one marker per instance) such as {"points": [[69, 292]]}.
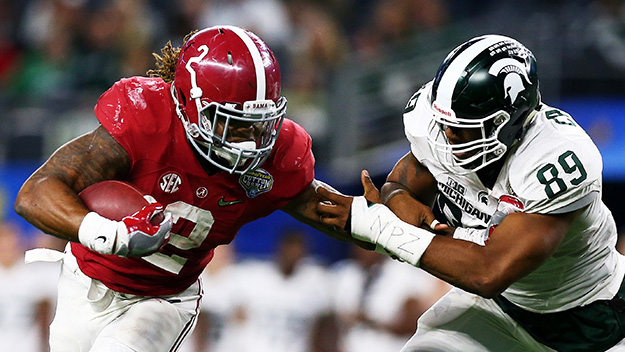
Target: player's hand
{"points": [[334, 207], [507, 205], [416, 213], [405, 207], [133, 236], [139, 237], [371, 192]]}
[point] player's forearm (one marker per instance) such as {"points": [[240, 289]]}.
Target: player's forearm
{"points": [[403, 204], [409, 177], [466, 265], [49, 200], [481, 270], [392, 189], [51, 206], [336, 233], [304, 209]]}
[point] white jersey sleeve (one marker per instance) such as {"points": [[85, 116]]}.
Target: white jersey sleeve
{"points": [[557, 167], [417, 120]]}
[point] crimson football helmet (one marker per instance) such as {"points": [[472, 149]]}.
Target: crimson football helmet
{"points": [[226, 90], [490, 84]]}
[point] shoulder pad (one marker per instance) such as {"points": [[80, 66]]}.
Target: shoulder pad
{"points": [[554, 165], [292, 159], [417, 119], [293, 149], [135, 102]]}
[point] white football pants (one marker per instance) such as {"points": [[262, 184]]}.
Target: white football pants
{"points": [[464, 322], [91, 317]]}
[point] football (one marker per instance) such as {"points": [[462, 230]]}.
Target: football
{"points": [[115, 200]]}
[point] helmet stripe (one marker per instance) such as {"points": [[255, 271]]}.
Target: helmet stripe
{"points": [[261, 81], [458, 65]]}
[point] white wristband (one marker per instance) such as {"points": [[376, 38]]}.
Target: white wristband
{"points": [[379, 225], [478, 236], [98, 233]]}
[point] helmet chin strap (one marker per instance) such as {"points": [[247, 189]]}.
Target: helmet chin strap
{"points": [[230, 157]]}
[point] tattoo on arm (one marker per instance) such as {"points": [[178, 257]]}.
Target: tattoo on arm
{"points": [[48, 198], [88, 159]]}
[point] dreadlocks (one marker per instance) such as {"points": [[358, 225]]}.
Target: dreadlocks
{"points": [[166, 62]]}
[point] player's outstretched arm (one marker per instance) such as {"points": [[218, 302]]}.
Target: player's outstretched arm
{"points": [[305, 209], [517, 246], [48, 199]]}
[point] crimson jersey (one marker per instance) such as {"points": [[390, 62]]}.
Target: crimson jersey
{"points": [[207, 210]]}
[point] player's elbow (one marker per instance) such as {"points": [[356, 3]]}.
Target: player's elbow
{"points": [[26, 200], [23, 203], [489, 284], [489, 289]]}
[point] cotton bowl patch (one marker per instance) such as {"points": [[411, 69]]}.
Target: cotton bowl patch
{"points": [[256, 182]]}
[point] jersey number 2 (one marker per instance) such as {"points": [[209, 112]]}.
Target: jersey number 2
{"points": [[549, 175], [203, 220]]}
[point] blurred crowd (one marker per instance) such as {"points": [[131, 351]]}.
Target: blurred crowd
{"points": [[28, 295], [58, 56]]}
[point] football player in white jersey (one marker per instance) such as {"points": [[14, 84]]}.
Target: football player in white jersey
{"points": [[516, 186], [284, 304]]}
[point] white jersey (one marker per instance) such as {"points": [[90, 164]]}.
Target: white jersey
{"points": [[392, 285], [24, 287], [279, 312], [218, 293], [555, 168]]}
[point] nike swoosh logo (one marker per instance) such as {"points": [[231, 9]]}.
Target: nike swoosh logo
{"points": [[224, 203]]}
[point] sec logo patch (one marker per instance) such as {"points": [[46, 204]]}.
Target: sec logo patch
{"points": [[170, 182]]}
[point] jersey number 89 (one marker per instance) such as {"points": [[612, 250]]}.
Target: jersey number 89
{"points": [[549, 175]]}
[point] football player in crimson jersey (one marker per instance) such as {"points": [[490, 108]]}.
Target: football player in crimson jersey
{"points": [[205, 136], [527, 241]]}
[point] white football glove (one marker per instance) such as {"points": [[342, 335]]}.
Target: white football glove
{"points": [[133, 236], [507, 205]]}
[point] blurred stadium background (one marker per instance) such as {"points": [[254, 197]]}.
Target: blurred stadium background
{"points": [[348, 67]]}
